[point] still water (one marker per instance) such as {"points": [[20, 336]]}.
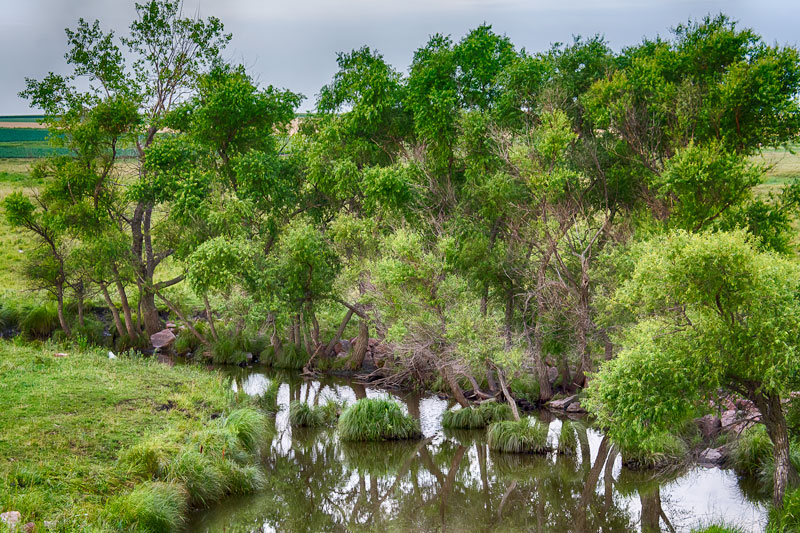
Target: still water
{"points": [[451, 481]]}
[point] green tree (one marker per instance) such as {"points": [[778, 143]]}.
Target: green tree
{"points": [[712, 313]]}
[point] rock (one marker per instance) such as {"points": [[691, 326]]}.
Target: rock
{"points": [[171, 325], [11, 519], [711, 457], [575, 407], [30, 527], [562, 404], [709, 426], [728, 418], [162, 339]]}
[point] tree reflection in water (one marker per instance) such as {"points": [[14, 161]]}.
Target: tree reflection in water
{"points": [[449, 481]]}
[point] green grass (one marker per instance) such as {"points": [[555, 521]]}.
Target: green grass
{"points": [[518, 436], [303, 415], [752, 450], [787, 519], [268, 400], [476, 417], [292, 358], [718, 528], [228, 350], [151, 507], [372, 419], [567, 438], [77, 431], [657, 451]]}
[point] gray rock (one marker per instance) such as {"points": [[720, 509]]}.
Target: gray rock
{"points": [[162, 339], [575, 407], [712, 457], [709, 426], [563, 403], [11, 519], [728, 418]]}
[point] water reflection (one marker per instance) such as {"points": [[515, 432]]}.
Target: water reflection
{"points": [[451, 481]]}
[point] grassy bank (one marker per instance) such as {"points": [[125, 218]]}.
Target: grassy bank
{"points": [[66, 421]]}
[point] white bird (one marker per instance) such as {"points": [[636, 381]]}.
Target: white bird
{"points": [[111, 355]]}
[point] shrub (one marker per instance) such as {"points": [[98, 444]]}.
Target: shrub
{"points": [[464, 418], [518, 436], [303, 415], [152, 507], [372, 419], [39, 321], [752, 450], [291, 357], [567, 439], [249, 426], [227, 351], [268, 400]]}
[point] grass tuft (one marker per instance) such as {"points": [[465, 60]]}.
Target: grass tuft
{"points": [[151, 507], [518, 436], [786, 519], [227, 351], [249, 426], [200, 475], [150, 458], [268, 400], [752, 451], [39, 321], [303, 415], [567, 439], [291, 357], [373, 419], [495, 411], [464, 418], [186, 342]]}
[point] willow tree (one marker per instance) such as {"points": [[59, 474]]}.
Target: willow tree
{"points": [[711, 313]]}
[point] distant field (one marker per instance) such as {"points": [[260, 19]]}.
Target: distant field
{"points": [[32, 119]]}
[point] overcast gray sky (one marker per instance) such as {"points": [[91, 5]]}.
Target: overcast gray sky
{"points": [[293, 43]]}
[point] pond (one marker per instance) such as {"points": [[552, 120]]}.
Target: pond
{"points": [[451, 481]]}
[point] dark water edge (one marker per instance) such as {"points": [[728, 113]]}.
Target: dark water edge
{"points": [[451, 481]]}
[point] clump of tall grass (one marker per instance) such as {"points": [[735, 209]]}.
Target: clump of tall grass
{"points": [[9, 317], [291, 357], [518, 436], [186, 342], [256, 345], [525, 386], [242, 479], [151, 457], [751, 451], [464, 418], [787, 519], [268, 399], [476, 417], [332, 409], [373, 419], [39, 321], [201, 476], [495, 411], [567, 439], [303, 415], [718, 528], [249, 426], [220, 442], [656, 451], [227, 351], [151, 507]]}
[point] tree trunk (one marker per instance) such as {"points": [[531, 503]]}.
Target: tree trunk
{"points": [[545, 392], [61, 318], [584, 327], [79, 295], [210, 318], [360, 348], [314, 330], [452, 382], [507, 394], [126, 306], [150, 318], [339, 332], [769, 404], [114, 310], [296, 332]]}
